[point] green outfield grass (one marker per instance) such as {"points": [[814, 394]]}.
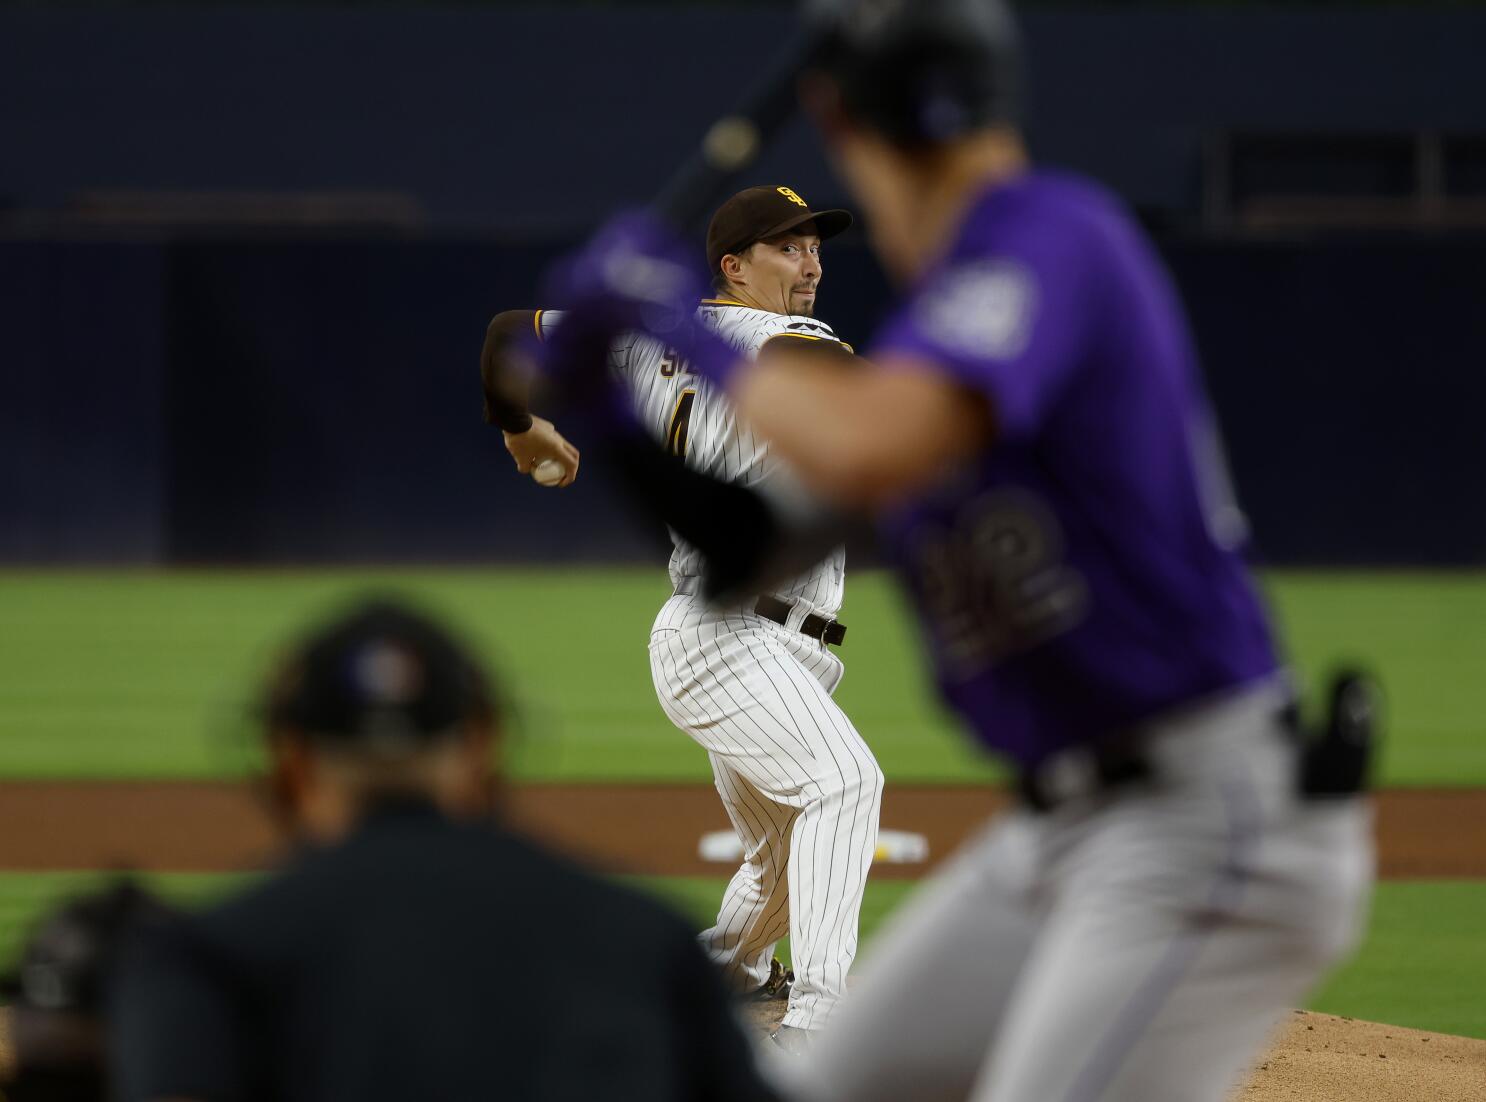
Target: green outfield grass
{"points": [[145, 674], [1423, 963]]}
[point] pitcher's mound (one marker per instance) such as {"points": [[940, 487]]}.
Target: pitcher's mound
{"points": [[1316, 1058], [1323, 1058]]}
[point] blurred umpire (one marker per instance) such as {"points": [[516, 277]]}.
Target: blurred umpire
{"points": [[415, 950]]}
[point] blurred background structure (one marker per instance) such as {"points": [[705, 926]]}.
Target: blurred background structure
{"points": [[246, 255]]}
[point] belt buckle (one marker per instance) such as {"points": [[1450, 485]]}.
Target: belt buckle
{"points": [[1066, 775], [1069, 775], [1081, 771]]}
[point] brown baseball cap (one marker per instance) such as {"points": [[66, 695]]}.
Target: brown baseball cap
{"points": [[759, 213]]}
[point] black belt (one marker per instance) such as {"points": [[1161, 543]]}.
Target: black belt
{"points": [[1083, 771], [815, 626], [773, 608]]}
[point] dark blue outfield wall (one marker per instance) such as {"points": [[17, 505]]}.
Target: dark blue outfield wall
{"points": [[547, 118], [315, 401]]}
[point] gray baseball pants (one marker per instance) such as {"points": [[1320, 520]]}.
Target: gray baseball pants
{"points": [[1137, 945]]}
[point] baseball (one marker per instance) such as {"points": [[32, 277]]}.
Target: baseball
{"points": [[549, 472]]}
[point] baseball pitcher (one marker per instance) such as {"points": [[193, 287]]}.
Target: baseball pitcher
{"points": [[752, 682]]}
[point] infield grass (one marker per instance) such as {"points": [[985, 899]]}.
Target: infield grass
{"points": [[1422, 964], [120, 674]]}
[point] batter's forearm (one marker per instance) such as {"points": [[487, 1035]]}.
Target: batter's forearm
{"points": [[861, 437], [504, 375]]}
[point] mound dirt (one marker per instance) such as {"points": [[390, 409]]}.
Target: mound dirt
{"points": [[1324, 1058], [1315, 1057]]}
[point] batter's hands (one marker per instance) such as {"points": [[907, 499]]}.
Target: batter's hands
{"points": [[539, 443], [634, 270], [634, 275]]}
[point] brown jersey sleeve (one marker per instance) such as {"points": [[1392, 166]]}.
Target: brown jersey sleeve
{"points": [[504, 376]]}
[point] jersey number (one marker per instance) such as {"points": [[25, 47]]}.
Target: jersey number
{"points": [[680, 430], [994, 582]]}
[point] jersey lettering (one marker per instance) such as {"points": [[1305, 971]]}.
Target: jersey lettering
{"points": [[671, 364], [694, 423], [680, 431]]}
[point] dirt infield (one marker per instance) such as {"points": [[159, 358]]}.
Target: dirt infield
{"points": [[1323, 1058], [1422, 833], [1315, 1057], [1432, 833]]}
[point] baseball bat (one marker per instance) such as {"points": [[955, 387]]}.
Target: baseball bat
{"points": [[734, 142]]}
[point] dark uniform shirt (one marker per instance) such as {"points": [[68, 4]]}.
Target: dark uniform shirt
{"points": [[426, 959]]}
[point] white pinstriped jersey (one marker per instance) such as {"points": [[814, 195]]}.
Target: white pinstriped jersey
{"points": [[694, 420]]}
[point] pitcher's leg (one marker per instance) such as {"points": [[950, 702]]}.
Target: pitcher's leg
{"points": [[736, 688], [700, 695], [755, 910], [835, 837]]}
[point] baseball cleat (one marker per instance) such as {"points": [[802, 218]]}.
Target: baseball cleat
{"points": [[793, 1039], [776, 986]]}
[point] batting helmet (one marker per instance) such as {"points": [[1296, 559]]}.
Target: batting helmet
{"points": [[921, 72]]}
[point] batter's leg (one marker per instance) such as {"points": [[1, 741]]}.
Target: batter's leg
{"points": [[1171, 1000], [932, 988], [755, 908]]}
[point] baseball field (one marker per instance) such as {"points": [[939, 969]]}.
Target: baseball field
{"points": [[125, 734]]}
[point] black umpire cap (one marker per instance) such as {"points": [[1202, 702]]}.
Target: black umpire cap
{"points": [[381, 678], [758, 213]]}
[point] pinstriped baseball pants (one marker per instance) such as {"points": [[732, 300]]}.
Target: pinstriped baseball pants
{"points": [[799, 784]]}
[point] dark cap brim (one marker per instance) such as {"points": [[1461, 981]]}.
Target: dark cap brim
{"points": [[828, 223]]}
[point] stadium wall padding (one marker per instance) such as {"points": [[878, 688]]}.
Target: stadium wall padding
{"points": [[83, 382], [535, 120], [308, 401]]}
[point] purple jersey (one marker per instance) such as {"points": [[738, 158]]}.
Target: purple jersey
{"points": [[1083, 573]]}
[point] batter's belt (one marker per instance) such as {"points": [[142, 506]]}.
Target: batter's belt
{"points": [[1333, 761], [829, 631]]}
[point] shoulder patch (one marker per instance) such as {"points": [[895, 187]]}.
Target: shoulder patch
{"points": [[814, 328], [985, 308]]}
